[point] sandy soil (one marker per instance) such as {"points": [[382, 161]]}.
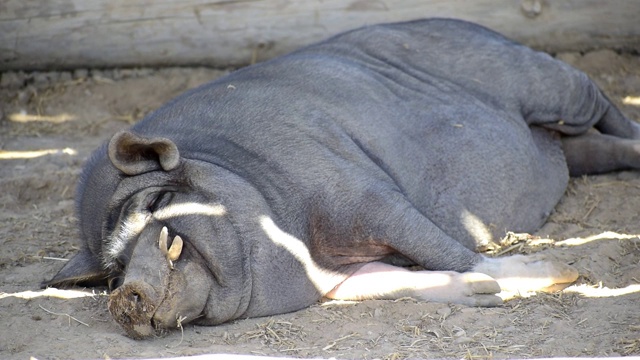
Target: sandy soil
{"points": [[595, 228]]}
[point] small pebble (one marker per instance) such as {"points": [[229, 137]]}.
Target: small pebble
{"points": [[378, 312], [80, 73], [24, 96], [65, 76], [570, 58], [444, 312], [463, 340]]}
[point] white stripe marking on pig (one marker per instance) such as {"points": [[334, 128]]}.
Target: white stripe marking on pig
{"points": [[130, 228], [191, 208]]}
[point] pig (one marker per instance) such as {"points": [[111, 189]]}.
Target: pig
{"points": [[327, 171]]}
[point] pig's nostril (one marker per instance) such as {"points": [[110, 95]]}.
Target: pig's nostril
{"points": [[135, 297]]}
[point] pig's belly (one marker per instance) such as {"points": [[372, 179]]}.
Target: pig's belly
{"points": [[478, 179]]}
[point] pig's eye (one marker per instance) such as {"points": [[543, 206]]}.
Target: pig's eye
{"points": [[121, 262], [158, 201], [115, 282]]}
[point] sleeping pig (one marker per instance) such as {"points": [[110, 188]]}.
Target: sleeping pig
{"points": [[323, 173]]}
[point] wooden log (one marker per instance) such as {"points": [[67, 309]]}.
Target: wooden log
{"points": [[55, 34]]}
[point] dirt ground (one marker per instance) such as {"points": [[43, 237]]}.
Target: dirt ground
{"points": [[50, 122]]}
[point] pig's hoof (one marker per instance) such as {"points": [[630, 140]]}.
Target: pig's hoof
{"points": [[131, 306], [521, 274], [471, 289]]}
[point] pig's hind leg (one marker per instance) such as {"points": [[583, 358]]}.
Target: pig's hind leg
{"points": [[596, 153], [377, 280], [614, 146], [597, 137]]}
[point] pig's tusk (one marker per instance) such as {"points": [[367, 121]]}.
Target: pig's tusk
{"points": [[176, 249], [162, 241], [173, 253]]}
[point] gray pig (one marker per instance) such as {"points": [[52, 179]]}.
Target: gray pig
{"points": [[319, 173]]}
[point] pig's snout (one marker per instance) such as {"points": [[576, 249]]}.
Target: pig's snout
{"points": [[133, 305]]}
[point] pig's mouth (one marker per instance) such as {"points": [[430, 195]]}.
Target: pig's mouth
{"points": [[144, 310]]}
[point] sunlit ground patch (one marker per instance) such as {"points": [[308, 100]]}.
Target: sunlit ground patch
{"points": [[590, 291], [30, 154], [53, 292], [598, 291], [631, 100], [607, 235], [23, 117]]}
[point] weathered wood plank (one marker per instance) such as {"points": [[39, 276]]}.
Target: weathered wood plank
{"points": [[39, 34]]}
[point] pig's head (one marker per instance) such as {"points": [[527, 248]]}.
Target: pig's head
{"points": [[160, 237]]}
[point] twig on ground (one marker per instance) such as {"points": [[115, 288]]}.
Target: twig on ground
{"points": [[59, 314], [54, 258]]}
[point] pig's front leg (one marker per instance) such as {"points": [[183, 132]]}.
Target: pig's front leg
{"points": [[513, 274], [377, 280]]}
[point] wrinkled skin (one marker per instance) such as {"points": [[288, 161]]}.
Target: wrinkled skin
{"points": [[320, 173]]}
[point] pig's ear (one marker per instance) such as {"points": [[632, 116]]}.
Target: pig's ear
{"points": [[134, 155], [82, 269]]}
